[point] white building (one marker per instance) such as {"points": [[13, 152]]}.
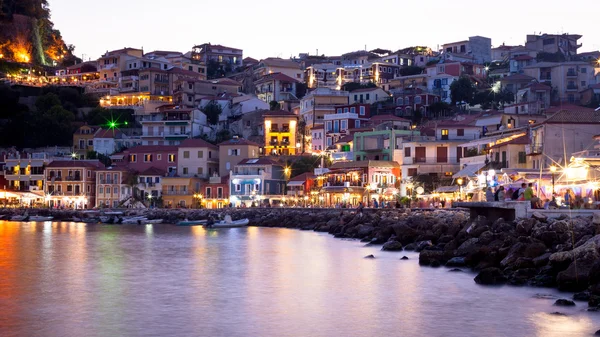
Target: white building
{"points": [[197, 158], [368, 96], [171, 127]]}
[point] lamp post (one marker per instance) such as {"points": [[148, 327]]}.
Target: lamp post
{"points": [[459, 181], [553, 170], [150, 200]]}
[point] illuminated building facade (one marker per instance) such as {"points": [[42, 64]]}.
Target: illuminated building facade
{"points": [[257, 180], [112, 188], [71, 183], [280, 132]]}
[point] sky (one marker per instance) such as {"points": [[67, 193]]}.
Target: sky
{"points": [[269, 28]]}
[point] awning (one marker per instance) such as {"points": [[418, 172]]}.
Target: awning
{"points": [[469, 171], [296, 183], [489, 121], [447, 189]]}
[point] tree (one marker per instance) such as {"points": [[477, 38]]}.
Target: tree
{"points": [[214, 70], [300, 90], [305, 164], [411, 70], [212, 110], [489, 99], [223, 135], [439, 108], [274, 106], [462, 90], [46, 102]]}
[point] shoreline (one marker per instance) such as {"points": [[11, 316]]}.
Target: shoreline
{"points": [[557, 253]]}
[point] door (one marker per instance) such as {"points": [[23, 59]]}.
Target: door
{"points": [[459, 153], [420, 154], [442, 154], [504, 159]]}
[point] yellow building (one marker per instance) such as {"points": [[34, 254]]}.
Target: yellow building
{"points": [[181, 192], [83, 140], [280, 132]]}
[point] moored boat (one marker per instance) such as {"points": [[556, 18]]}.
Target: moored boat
{"points": [[192, 222], [40, 218], [228, 223]]}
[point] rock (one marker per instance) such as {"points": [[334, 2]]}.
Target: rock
{"points": [[582, 296], [588, 249], [490, 276], [456, 262], [467, 247], [539, 216], [370, 256], [596, 218], [392, 246], [558, 313], [515, 252], [456, 270], [561, 302], [486, 238], [404, 258], [597, 333], [421, 245], [523, 263], [427, 257], [548, 237], [594, 301], [435, 263], [410, 246], [363, 230]]}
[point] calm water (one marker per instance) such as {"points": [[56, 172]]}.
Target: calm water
{"points": [[67, 279]]}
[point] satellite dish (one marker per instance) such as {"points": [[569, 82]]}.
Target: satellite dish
{"points": [[420, 190]]}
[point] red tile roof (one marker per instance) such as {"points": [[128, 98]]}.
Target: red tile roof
{"points": [[153, 171], [570, 107], [538, 86], [250, 60], [109, 133], [303, 177], [197, 142], [280, 113], [276, 77], [346, 139], [238, 141], [517, 77], [152, 148], [387, 118], [77, 163], [575, 116]]}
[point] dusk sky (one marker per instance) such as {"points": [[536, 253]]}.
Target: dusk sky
{"points": [[264, 28]]}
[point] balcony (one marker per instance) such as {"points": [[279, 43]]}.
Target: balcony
{"points": [[572, 73], [54, 179], [179, 192], [73, 178], [279, 130], [547, 77], [430, 160], [532, 150], [108, 181], [572, 87], [274, 142]]}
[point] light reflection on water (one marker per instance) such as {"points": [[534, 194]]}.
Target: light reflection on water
{"points": [[67, 279]]}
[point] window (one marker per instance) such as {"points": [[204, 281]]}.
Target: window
{"points": [[185, 170], [367, 97], [256, 187], [444, 134], [412, 172], [362, 110], [417, 99], [100, 189], [158, 156], [186, 154], [355, 98], [171, 158], [583, 70], [522, 158], [344, 125], [115, 190], [89, 174], [583, 84], [400, 101], [238, 187], [236, 152], [200, 170], [407, 152], [353, 110], [444, 81], [346, 110], [357, 124], [460, 132], [147, 158], [200, 154]]}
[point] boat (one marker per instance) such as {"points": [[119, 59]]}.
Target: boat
{"points": [[228, 223], [153, 221], [19, 217], [192, 222], [133, 220], [40, 218]]}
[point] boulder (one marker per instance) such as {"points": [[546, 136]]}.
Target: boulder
{"points": [[561, 302], [596, 218], [597, 333], [435, 263], [455, 270], [427, 257], [588, 249], [467, 247], [456, 262], [371, 256], [404, 258], [363, 230], [421, 245], [539, 216], [410, 246], [393, 246], [515, 252], [541, 260], [490, 276], [576, 276], [582, 296]]}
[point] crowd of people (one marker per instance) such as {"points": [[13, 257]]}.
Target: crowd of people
{"points": [[526, 193]]}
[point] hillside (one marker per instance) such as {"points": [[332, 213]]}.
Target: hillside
{"points": [[27, 34]]}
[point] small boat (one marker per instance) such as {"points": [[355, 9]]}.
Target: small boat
{"points": [[228, 223], [192, 222], [153, 221], [20, 217], [134, 220], [40, 218]]}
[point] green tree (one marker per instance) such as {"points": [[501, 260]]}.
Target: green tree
{"points": [[300, 90], [411, 70], [222, 136], [462, 90], [439, 108], [274, 106], [212, 110], [46, 102]]}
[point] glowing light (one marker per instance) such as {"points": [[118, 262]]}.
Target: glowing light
{"points": [[552, 168], [74, 155], [496, 87]]}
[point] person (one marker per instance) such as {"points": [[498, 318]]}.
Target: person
{"points": [[522, 192], [547, 204], [553, 204], [568, 198], [489, 195], [375, 203], [360, 207], [501, 194], [398, 204]]}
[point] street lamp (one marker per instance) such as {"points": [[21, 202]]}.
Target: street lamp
{"points": [[459, 181], [553, 170], [150, 199], [199, 197]]}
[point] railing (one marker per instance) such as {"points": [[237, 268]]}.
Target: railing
{"points": [[571, 73], [572, 87], [274, 142], [107, 181], [545, 78], [278, 130], [534, 149], [71, 178], [179, 193], [430, 160], [54, 179]]}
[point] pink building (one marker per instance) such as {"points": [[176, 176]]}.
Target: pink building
{"points": [[143, 157]]}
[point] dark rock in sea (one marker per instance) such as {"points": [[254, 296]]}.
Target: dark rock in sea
{"points": [[597, 333], [410, 246], [558, 313], [392, 246], [421, 245], [455, 270], [582, 296], [456, 262], [561, 302], [490, 276], [594, 301], [435, 263], [404, 258], [544, 296], [370, 256]]}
